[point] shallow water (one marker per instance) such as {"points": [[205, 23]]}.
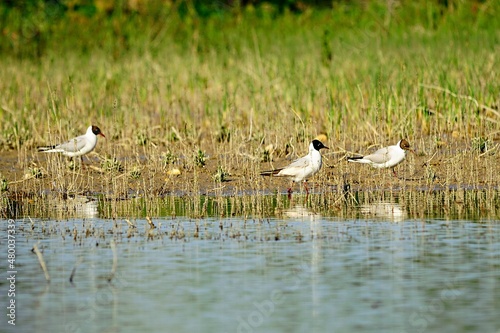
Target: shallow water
{"points": [[301, 271]]}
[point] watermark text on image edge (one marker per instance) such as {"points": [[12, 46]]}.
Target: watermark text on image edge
{"points": [[11, 271]]}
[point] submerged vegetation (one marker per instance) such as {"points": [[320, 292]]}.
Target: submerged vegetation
{"points": [[192, 93]]}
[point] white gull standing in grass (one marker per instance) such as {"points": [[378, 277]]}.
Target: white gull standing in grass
{"points": [[387, 157], [302, 168], [78, 146]]}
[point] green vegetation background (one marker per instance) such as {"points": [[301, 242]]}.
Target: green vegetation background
{"points": [[275, 71]]}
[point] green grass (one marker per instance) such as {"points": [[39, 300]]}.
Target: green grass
{"points": [[319, 71]]}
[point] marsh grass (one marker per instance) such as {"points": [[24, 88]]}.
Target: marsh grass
{"points": [[247, 91]]}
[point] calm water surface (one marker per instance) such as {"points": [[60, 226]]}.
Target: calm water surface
{"points": [[299, 273]]}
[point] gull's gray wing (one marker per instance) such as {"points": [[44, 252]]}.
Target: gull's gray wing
{"points": [[300, 163], [380, 156], [295, 168], [73, 145]]}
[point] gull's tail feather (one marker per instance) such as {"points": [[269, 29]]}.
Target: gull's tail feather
{"points": [[270, 172], [355, 158], [47, 149]]}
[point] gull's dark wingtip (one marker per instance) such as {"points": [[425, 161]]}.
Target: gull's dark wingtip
{"points": [[270, 172], [45, 148]]}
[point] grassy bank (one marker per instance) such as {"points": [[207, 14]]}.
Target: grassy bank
{"points": [[166, 85]]}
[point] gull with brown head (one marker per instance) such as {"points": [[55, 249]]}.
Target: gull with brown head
{"points": [[387, 157]]}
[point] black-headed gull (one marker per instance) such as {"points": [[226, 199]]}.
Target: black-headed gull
{"points": [[302, 168], [387, 157], [78, 146]]}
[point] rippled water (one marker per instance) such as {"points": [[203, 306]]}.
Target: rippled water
{"points": [[301, 272]]}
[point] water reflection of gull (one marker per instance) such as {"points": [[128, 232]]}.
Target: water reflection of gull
{"points": [[75, 206], [299, 211], [392, 211], [316, 233]]}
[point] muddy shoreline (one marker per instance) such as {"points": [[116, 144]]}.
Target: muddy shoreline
{"points": [[39, 175]]}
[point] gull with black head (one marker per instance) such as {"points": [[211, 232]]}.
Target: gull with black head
{"points": [[302, 168], [78, 146]]}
